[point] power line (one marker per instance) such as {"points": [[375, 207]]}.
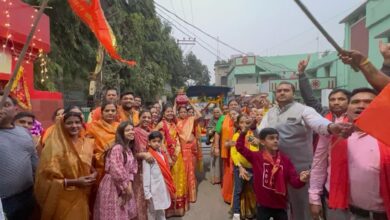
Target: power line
{"points": [[218, 40], [197, 28], [192, 11], [196, 36], [307, 30], [186, 34], [182, 8]]}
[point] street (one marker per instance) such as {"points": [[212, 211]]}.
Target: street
{"points": [[209, 204]]}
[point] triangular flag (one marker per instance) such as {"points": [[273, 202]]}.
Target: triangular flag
{"points": [[375, 119], [91, 13], [19, 90]]}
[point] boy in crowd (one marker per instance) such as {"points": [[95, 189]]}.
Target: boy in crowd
{"points": [[158, 183], [272, 171]]}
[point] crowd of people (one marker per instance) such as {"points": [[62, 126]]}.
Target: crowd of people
{"points": [[127, 161]]}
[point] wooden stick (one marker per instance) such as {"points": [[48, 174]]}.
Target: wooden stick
{"points": [[321, 29], [22, 54]]}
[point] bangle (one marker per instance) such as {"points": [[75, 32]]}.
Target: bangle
{"points": [[365, 62]]}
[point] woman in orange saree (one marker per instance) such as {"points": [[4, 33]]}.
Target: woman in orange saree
{"points": [[141, 153], [103, 131], [189, 148], [57, 116], [225, 134], [65, 173], [168, 128]]}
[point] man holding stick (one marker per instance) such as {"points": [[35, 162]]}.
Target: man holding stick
{"points": [[353, 170]]}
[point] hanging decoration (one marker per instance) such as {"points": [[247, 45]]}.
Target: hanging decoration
{"points": [[20, 92]]}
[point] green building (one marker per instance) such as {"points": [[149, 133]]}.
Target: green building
{"points": [[253, 74], [363, 28]]}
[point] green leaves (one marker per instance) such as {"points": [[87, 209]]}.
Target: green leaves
{"points": [[140, 36]]}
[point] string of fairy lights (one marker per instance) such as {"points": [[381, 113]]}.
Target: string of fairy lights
{"points": [[9, 43]]}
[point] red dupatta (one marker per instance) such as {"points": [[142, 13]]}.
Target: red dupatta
{"points": [[165, 170], [277, 174], [339, 179]]}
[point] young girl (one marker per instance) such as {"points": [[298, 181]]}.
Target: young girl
{"points": [[115, 198], [242, 173], [157, 179]]}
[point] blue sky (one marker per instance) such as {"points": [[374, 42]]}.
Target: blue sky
{"points": [[262, 27]]}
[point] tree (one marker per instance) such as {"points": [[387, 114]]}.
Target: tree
{"points": [[140, 36], [196, 71]]}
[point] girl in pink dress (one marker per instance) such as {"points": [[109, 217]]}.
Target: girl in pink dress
{"points": [[115, 199]]}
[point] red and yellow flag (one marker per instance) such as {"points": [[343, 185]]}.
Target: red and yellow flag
{"points": [[19, 91], [91, 13], [375, 119]]}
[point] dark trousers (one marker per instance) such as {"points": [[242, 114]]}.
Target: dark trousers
{"points": [[264, 213], [238, 188], [19, 206]]}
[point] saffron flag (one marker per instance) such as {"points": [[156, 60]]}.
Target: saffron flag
{"points": [[91, 13], [375, 119], [19, 91]]}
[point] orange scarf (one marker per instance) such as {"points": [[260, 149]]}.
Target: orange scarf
{"points": [[339, 179], [125, 116], [277, 174], [227, 135], [165, 170]]}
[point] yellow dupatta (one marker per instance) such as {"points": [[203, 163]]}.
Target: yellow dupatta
{"points": [[61, 159], [185, 129], [104, 135]]}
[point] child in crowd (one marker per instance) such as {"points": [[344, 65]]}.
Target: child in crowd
{"points": [[272, 171], [157, 179], [242, 173]]}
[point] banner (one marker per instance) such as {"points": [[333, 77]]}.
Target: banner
{"points": [[91, 13], [375, 118], [19, 91]]}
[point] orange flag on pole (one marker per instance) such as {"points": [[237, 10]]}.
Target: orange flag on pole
{"points": [[91, 13], [19, 90], [375, 120]]}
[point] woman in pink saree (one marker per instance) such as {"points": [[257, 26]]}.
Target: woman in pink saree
{"points": [[189, 147], [141, 153]]}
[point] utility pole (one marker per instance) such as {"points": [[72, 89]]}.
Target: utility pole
{"points": [[186, 41]]}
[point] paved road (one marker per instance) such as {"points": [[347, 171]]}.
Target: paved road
{"points": [[210, 205]]}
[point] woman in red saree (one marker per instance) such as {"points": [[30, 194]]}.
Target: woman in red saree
{"points": [[65, 173], [103, 131], [189, 148], [141, 153], [168, 128]]}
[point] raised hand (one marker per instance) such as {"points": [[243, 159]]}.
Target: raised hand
{"points": [[384, 48], [353, 58], [303, 64]]}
